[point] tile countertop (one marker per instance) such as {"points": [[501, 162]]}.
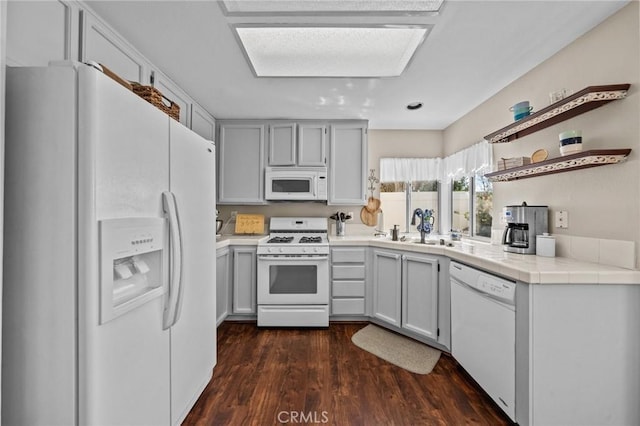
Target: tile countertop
{"points": [[530, 269], [527, 268], [238, 240]]}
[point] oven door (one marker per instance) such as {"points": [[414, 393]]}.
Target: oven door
{"points": [[293, 280]]}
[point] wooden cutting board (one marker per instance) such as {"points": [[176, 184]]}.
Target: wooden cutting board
{"points": [[249, 224], [368, 218]]}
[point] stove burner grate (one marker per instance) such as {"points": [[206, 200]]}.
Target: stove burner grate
{"points": [[280, 240], [310, 240]]}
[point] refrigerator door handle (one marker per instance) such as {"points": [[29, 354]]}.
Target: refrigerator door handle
{"points": [[172, 308]]}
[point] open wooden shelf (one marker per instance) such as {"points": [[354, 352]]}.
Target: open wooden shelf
{"points": [[585, 100], [580, 160]]}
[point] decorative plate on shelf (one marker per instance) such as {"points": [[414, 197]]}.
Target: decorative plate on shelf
{"points": [[539, 155]]}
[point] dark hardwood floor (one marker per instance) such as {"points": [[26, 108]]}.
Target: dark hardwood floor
{"points": [[317, 376]]}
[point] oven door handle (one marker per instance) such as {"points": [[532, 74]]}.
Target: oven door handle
{"points": [[294, 258]]}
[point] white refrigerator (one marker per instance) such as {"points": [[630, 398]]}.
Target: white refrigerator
{"points": [[109, 296]]}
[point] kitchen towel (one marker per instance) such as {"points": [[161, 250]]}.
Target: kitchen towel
{"points": [[396, 349]]}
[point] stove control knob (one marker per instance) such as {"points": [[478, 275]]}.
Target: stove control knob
{"points": [[280, 249]]}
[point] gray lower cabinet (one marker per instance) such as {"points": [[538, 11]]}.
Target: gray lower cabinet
{"points": [[420, 294], [241, 163], [405, 291], [244, 280], [387, 286], [348, 164], [348, 273], [223, 284]]}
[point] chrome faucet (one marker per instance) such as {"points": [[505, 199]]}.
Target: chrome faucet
{"points": [[419, 213]]}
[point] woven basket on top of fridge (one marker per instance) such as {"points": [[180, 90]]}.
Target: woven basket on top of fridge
{"points": [[156, 98]]}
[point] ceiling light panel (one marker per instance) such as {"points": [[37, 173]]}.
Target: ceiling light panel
{"points": [[305, 51], [252, 7]]}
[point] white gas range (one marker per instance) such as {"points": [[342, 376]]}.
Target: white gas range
{"points": [[293, 273]]}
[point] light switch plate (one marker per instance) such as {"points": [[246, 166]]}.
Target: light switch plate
{"points": [[562, 219]]}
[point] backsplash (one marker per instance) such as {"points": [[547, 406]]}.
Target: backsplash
{"points": [[605, 252], [285, 209]]}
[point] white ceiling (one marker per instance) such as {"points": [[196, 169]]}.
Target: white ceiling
{"points": [[475, 49]]}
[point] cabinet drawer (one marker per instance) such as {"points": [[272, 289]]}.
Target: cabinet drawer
{"points": [[347, 289], [346, 272], [348, 255], [347, 306]]}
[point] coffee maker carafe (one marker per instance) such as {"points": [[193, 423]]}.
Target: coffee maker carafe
{"points": [[523, 223]]}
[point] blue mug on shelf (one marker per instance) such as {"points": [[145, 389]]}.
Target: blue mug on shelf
{"points": [[521, 110]]}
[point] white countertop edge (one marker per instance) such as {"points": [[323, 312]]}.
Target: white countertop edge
{"points": [[238, 240], [530, 269]]}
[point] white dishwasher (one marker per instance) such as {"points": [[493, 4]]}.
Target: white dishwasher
{"points": [[483, 331]]}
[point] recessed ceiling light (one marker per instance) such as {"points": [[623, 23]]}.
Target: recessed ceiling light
{"points": [[253, 7], [414, 105], [330, 51]]}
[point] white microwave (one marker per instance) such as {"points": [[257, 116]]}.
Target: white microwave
{"points": [[296, 183]]}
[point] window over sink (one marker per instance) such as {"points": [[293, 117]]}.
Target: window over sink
{"points": [[401, 198], [408, 184], [472, 194]]}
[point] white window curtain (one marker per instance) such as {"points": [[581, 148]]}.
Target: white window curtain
{"points": [[410, 169], [478, 158]]}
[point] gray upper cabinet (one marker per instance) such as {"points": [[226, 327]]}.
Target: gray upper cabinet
{"points": [[173, 93], [301, 144], [241, 163], [101, 44], [42, 31], [282, 144], [348, 165], [312, 144], [202, 122]]}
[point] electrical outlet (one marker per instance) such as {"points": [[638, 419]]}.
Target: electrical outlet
{"points": [[562, 219]]}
